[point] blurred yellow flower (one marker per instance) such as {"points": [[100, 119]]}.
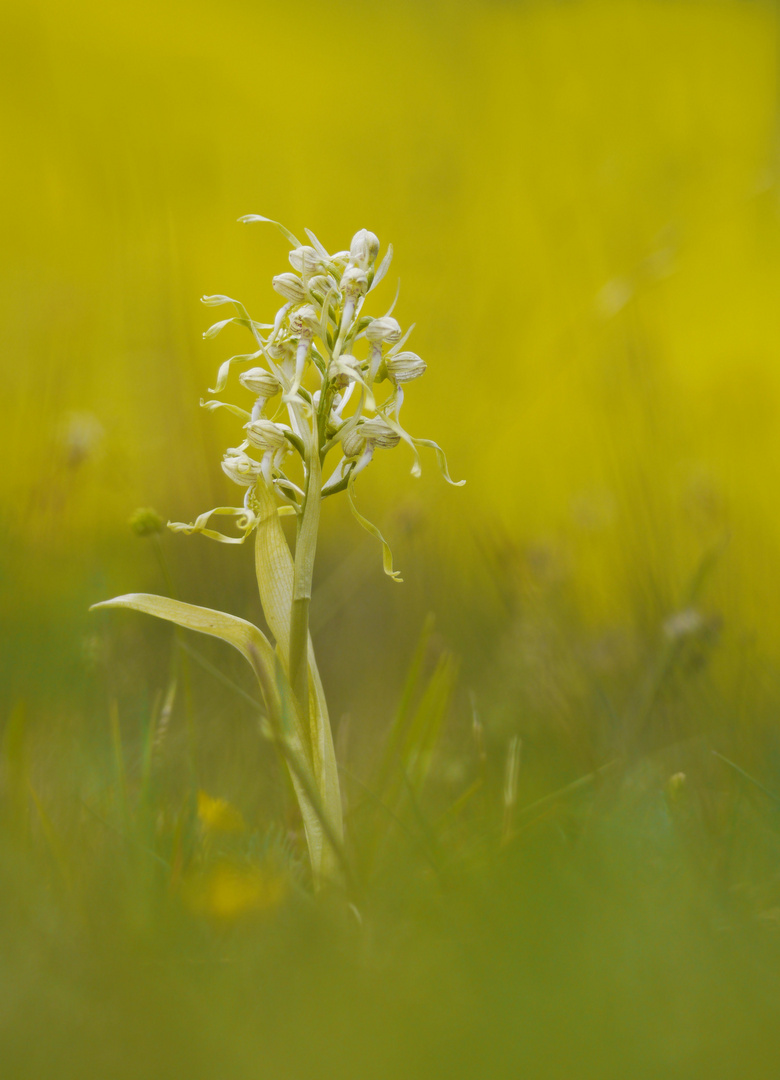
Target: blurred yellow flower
{"points": [[217, 815], [228, 890]]}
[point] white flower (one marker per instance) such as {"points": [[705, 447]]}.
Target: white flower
{"points": [[379, 433], [260, 382], [304, 320], [386, 329], [282, 349], [364, 249], [405, 366], [290, 287], [354, 282], [321, 284], [241, 468], [305, 260], [344, 370], [353, 443], [361, 441], [266, 435]]}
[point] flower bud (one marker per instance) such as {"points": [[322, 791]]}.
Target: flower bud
{"points": [[340, 371], [379, 433], [266, 435], [404, 367], [260, 382], [364, 249], [146, 522], [304, 319], [290, 287], [354, 282], [241, 468], [385, 329], [320, 284], [305, 260]]}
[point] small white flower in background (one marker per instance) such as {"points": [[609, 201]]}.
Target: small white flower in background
{"points": [[328, 359], [80, 436], [683, 624]]}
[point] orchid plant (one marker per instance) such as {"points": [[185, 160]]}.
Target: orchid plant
{"points": [[315, 380]]}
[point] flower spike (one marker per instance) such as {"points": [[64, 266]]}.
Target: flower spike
{"points": [[328, 380]]}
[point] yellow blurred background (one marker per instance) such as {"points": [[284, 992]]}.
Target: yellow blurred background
{"points": [[567, 847], [583, 202]]}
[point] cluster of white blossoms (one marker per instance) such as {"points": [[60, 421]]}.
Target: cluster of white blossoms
{"points": [[318, 371]]}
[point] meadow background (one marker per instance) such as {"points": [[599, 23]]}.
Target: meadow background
{"points": [[583, 200]]}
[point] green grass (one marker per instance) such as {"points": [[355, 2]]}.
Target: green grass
{"points": [[616, 922]]}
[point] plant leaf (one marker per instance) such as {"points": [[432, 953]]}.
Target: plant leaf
{"points": [[317, 245], [252, 643], [255, 647], [275, 577], [383, 267]]}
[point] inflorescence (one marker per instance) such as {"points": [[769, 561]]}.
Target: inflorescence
{"points": [[324, 363]]}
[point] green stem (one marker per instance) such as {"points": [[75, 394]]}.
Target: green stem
{"points": [[305, 552], [285, 591]]}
